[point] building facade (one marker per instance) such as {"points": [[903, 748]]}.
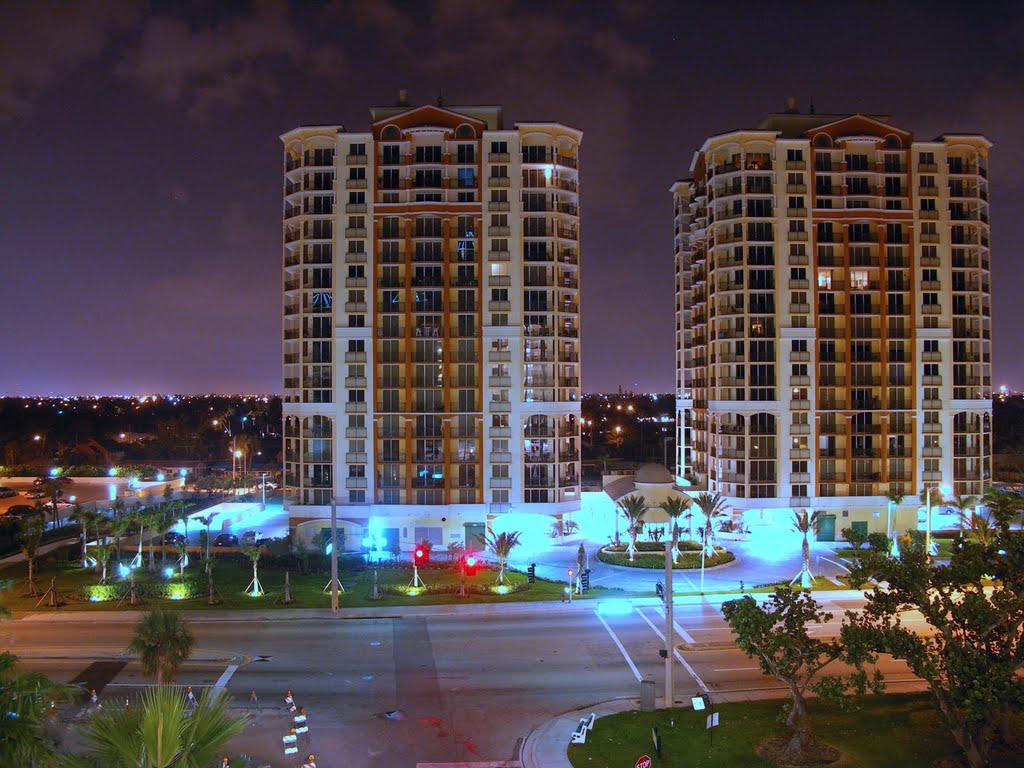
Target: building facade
{"points": [[431, 324], [834, 318]]}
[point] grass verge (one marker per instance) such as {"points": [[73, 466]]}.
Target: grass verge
{"points": [[893, 730], [688, 560], [232, 576]]}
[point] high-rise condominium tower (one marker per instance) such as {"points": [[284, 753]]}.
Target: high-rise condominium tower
{"points": [[834, 319], [431, 324]]}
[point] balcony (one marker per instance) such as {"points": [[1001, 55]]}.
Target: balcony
{"points": [[498, 181]]}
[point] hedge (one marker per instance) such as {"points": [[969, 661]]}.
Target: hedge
{"points": [[657, 546], [173, 589], [688, 560]]}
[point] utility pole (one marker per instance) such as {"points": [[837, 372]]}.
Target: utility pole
{"points": [[669, 634], [334, 556]]}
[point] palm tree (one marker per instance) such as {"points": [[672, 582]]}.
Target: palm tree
{"points": [[102, 554], [501, 546], [182, 547], [962, 504], [1004, 505], [31, 537], [24, 699], [711, 506], [119, 529], [633, 508], [83, 517], [164, 520], [674, 506], [895, 499], [253, 553], [206, 520], [53, 486], [181, 514], [804, 523], [163, 643], [978, 528], [161, 732]]}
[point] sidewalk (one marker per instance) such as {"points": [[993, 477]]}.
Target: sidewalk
{"points": [[18, 557], [394, 612], [547, 745]]}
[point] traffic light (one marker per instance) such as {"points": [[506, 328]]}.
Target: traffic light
{"points": [[419, 555], [470, 564], [584, 579], [531, 573], [659, 590]]}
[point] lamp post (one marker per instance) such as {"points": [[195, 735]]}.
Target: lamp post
{"points": [[669, 633]]}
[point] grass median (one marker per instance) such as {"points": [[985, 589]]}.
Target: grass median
{"points": [[893, 730], [78, 588]]}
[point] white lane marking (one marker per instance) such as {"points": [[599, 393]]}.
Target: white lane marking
{"points": [[222, 681], [675, 624], [735, 669], [622, 648], [682, 661]]}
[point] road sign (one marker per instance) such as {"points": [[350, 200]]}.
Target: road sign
{"points": [[712, 721], [644, 762]]}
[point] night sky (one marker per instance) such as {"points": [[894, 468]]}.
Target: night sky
{"points": [[140, 222]]}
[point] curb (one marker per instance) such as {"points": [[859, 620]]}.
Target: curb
{"points": [[396, 612], [547, 745]]}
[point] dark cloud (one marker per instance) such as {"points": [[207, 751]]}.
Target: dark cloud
{"points": [[163, 268], [46, 40]]}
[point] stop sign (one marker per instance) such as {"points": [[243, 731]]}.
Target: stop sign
{"points": [[643, 762]]}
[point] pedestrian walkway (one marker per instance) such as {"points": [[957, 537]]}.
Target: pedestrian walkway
{"points": [[19, 557]]}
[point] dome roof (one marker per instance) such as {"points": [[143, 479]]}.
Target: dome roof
{"points": [[654, 474]]}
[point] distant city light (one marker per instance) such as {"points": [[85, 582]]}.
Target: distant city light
{"points": [[183, 472], [36, 437], [160, 477], [54, 471]]}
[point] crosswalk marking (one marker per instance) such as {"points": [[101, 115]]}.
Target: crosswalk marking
{"points": [[678, 655], [621, 647]]}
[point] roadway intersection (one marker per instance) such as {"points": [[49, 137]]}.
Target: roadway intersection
{"points": [[467, 683]]}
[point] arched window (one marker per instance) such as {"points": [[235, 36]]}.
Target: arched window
{"points": [[822, 140], [465, 131], [391, 132]]}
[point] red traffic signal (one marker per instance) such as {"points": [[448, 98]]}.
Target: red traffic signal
{"points": [[420, 555], [470, 564]]}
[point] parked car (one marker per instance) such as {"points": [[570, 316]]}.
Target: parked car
{"points": [[21, 510], [226, 540], [173, 538], [7, 493], [36, 493]]}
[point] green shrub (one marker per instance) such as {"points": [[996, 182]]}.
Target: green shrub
{"points": [[173, 589], [689, 559], [652, 546]]}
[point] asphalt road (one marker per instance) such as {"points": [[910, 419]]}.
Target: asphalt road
{"points": [[467, 686]]}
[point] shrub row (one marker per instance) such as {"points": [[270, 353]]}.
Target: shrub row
{"points": [[453, 589], [688, 560], [159, 590], [656, 546]]}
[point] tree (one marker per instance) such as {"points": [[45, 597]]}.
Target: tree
{"points": [[776, 635], [102, 554], [160, 732], [254, 553], [82, 516], [53, 486], [978, 528], [206, 520], [501, 547], [804, 524], [855, 537], [711, 506], [973, 651], [633, 508], [24, 701], [1004, 506], [181, 514], [163, 643], [164, 519], [963, 505], [31, 538], [674, 507]]}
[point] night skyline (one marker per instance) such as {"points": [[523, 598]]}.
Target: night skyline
{"points": [[142, 210]]}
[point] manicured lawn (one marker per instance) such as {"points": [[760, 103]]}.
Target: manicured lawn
{"points": [[892, 730], [232, 576]]}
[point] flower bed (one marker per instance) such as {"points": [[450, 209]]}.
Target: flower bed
{"points": [[647, 557]]}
